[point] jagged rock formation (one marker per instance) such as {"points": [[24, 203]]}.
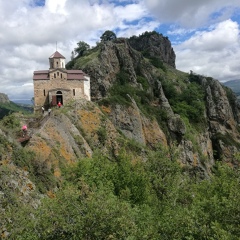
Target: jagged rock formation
{"points": [[154, 45], [132, 59], [140, 102], [4, 98], [135, 99]]}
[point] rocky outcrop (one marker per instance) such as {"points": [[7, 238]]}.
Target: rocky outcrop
{"points": [[4, 98], [126, 55], [222, 113], [112, 58], [221, 109], [154, 45], [135, 125], [134, 81], [134, 110]]}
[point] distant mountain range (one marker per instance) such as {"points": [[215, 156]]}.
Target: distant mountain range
{"points": [[234, 85], [22, 101]]}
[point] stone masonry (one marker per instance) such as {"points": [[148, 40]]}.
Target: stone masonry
{"points": [[58, 84]]}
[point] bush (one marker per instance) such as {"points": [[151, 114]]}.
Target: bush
{"points": [[40, 173], [143, 82], [158, 63], [102, 134], [189, 103], [11, 122]]}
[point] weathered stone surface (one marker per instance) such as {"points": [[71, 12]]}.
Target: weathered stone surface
{"points": [[176, 125], [155, 45], [4, 98], [222, 117]]}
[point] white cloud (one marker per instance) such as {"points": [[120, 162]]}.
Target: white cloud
{"points": [[213, 53], [28, 33], [189, 13]]}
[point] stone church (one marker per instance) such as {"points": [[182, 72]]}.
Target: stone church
{"points": [[58, 84]]}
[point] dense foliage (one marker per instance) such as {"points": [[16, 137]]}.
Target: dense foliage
{"points": [[8, 108], [81, 48], [108, 36], [124, 198], [134, 193], [189, 102]]}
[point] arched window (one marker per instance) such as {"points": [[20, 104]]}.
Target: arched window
{"points": [[54, 75]]}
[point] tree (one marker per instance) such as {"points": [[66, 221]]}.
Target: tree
{"points": [[81, 49], [108, 36]]}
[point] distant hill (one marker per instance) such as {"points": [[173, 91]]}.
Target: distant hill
{"points": [[22, 101], [7, 106], [234, 85]]}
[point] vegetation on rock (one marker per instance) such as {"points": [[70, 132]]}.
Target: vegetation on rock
{"points": [[154, 156]]}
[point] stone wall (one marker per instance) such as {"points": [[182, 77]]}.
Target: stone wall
{"points": [[45, 89]]}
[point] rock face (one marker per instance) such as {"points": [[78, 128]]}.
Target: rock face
{"points": [[223, 111], [136, 100], [136, 104], [154, 45], [121, 55], [133, 57], [4, 98], [113, 57]]}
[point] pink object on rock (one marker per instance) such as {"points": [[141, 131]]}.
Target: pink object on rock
{"points": [[24, 127]]}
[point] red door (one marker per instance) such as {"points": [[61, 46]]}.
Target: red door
{"points": [[54, 100]]}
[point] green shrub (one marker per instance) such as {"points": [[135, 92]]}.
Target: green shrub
{"points": [[144, 82], [122, 78], [158, 63], [11, 122], [189, 103], [40, 173], [102, 134]]}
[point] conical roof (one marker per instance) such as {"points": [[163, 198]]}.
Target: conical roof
{"points": [[57, 55]]}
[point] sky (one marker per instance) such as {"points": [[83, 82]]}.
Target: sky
{"points": [[205, 35]]}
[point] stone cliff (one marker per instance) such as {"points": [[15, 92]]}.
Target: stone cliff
{"points": [[141, 102], [142, 71], [4, 98], [146, 101]]}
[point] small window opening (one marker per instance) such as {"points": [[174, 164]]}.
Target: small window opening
{"points": [[44, 92], [73, 92], [54, 75]]}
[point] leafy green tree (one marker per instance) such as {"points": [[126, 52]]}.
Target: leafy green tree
{"points": [[216, 205], [164, 173], [82, 48], [108, 36], [130, 181]]}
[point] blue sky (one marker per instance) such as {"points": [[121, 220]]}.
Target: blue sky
{"points": [[204, 34]]}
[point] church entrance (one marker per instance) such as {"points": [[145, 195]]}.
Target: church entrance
{"points": [[56, 96], [59, 97]]}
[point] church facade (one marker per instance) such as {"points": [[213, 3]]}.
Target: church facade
{"points": [[59, 84]]}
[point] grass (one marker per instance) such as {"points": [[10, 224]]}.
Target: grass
{"points": [[84, 60]]}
